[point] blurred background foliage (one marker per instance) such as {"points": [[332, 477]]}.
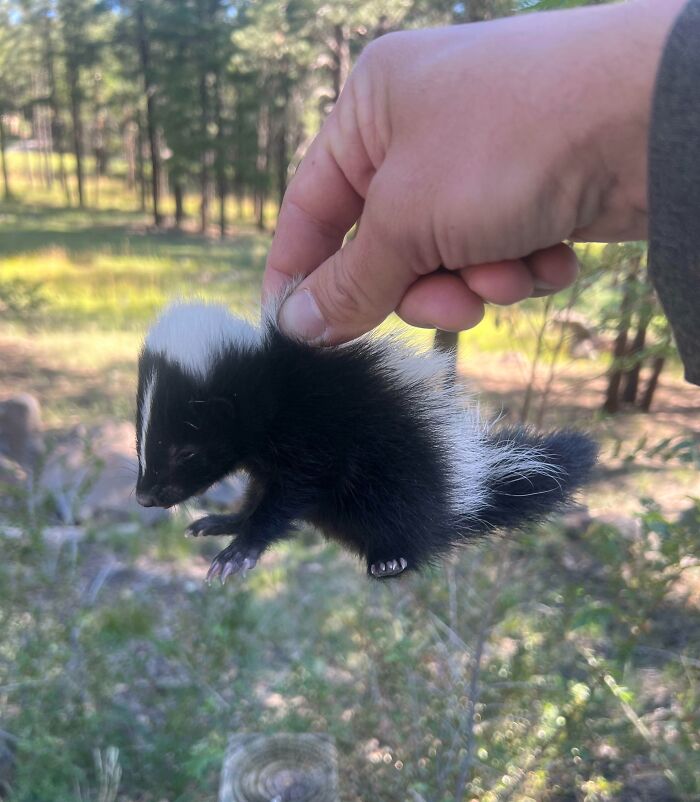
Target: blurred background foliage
{"points": [[144, 149]]}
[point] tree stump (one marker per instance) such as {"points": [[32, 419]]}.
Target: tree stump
{"points": [[279, 768]]}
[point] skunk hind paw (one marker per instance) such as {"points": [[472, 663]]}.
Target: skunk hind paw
{"points": [[381, 570]]}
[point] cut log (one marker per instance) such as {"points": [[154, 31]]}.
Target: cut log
{"points": [[280, 768]]}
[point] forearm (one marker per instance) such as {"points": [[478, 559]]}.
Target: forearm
{"points": [[615, 95], [674, 186]]}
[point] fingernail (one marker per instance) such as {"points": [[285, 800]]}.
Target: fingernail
{"points": [[300, 317], [543, 285]]}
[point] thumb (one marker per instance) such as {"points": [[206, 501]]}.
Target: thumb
{"points": [[351, 292]]}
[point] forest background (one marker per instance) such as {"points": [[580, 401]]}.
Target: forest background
{"points": [[145, 146]]}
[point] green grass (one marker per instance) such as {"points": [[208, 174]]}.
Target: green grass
{"points": [[585, 678]]}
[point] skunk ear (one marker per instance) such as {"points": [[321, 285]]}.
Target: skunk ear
{"points": [[536, 475]]}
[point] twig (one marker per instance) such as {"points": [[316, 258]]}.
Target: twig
{"points": [[475, 682], [631, 715], [539, 347]]}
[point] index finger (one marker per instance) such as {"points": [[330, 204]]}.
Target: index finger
{"points": [[319, 208]]}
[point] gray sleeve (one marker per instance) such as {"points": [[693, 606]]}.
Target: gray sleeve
{"points": [[674, 187]]}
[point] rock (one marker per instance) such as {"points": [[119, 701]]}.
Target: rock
{"points": [[65, 474], [111, 496], [14, 485], [21, 437], [54, 536], [12, 473], [91, 476]]}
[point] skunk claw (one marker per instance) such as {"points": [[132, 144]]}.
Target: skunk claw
{"points": [[389, 568], [231, 561], [214, 570], [229, 568], [213, 525]]}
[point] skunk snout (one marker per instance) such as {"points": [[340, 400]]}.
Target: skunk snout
{"points": [[146, 499], [159, 496]]}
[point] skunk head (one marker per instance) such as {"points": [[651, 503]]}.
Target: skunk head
{"points": [[188, 434]]}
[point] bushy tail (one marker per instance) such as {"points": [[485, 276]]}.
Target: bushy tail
{"points": [[538, 475]]}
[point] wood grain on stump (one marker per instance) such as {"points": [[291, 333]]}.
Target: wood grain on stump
{"points": [[279, 768]]}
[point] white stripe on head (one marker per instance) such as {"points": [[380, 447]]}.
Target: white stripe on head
{"points": [[191, 335], [146, 408]]}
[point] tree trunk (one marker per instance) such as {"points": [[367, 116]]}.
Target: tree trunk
{"points": [[3, 158], [282, 137], [144, 49], [47, 140], [221, 187], [262, 164], [63, 176], [29, 171], [648, 396], [42, 135], [77, 131], [612, 396], [57, 129], [54, 125], [204, 167], [179, 206], [97, 179], [140, 171], [631, 377], [129, 147], [98, 150]]}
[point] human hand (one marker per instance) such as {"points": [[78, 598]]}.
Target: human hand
{"points": [[477, 148]]}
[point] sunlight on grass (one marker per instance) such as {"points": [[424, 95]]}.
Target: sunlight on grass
{"points": [[118, 277]]}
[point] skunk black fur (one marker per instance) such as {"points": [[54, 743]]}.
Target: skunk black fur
{"points": [[366, 441]]}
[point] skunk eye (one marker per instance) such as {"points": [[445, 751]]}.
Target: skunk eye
{"points": [[184, 454]]}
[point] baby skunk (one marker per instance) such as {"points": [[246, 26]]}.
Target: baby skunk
{"points": [[366, 441]]}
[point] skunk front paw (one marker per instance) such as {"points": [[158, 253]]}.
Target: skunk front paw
{"points": [[235, 558], [388, 568], [214, 525]]}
